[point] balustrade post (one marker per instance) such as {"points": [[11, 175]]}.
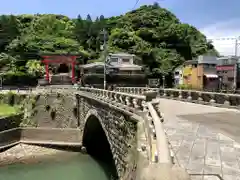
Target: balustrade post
{"points": [[112, 96], [226, 102], [164, 93], [172, 94], [200, 99], [189, 98], [180, 94], [109, 95], [115, 98], [139, 90], [121, 98], [135, 90], [127, 99], [150, 95], [135, 104], [212, 100]]}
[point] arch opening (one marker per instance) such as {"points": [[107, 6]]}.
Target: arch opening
{"points": [[97, 145], [63, 68]]}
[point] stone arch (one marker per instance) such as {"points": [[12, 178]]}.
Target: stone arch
{"points": [[97, 143]]}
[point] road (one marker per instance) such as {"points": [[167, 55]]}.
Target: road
{"points": [[204, 139]]}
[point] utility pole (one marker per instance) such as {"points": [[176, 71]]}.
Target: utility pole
{"points": [[236, 54], [235, 65], [104, 32]]}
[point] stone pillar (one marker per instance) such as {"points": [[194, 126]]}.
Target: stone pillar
{"points": [[47, 71], [73, 73], [150, 95]]}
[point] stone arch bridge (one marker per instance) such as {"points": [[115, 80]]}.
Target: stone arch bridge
{"points": [[124, 129], [134, 133]]}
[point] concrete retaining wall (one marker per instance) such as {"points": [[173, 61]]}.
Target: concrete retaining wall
{"points": [[9, 137], [10, 122], [44, 136]]}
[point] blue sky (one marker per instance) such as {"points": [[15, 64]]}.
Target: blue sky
{"points": [[215, 18]]}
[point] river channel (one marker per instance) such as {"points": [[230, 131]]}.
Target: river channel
{"points": [[75, 166]]}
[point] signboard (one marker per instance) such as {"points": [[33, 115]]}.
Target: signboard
{"points": [[225, 68], [187, 71]]}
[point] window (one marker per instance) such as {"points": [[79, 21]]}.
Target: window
{"points": [[230, 79], [205, 65], [113, 60], [125, 60]]}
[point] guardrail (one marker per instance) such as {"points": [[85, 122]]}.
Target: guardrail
{"points": [[144, 106], [201, 97]]}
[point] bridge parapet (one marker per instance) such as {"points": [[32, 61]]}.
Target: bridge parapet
{"points": [[200, 97], [143, 109], [143, 106], [164, 168]]}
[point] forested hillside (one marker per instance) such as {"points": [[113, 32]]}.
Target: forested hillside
{"points": [[154, 34]]}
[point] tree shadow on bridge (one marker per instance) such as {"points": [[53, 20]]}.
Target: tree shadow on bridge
{"points": [[97, 145]]}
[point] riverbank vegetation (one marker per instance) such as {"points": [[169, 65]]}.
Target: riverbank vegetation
{"points": [[154, 34], [6, 110]]}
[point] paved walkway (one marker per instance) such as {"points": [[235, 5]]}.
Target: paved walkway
{"points": [[204, 139]]}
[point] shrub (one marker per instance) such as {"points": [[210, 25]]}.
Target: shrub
{"points": [[18, 78], [184, 86]]}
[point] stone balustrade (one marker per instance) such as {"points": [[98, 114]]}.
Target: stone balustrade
{"points": [[145, 106], [201, 97], [131, 102], [155, 118]]}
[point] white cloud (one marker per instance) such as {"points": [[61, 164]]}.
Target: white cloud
{"points": [[228, 29]]}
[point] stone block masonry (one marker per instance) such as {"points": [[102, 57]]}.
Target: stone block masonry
{"points": [[120, 130], [52, 110]]}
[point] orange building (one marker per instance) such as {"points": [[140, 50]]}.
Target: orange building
{"points": [[201, 73]]}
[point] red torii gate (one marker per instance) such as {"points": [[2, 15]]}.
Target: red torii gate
{"points": [[59, 59]]}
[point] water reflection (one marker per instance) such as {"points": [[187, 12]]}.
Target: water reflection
{"points": [[73, 166]]}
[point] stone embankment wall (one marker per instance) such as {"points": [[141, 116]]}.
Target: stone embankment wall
{"points": [[52, 110], [53, 114]]}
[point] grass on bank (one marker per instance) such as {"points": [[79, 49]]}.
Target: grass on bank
{"points": [[6, 110]]}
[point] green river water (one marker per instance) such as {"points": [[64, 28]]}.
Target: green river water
{"points": [[75, 167]]}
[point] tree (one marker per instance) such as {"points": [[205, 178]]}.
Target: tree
{"points": [[153, 34], [9, 29], [35, 68], [158, 37]]}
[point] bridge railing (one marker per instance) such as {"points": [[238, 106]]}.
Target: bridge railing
{"points": [[201, 97], [133, 103], [159, 147]]}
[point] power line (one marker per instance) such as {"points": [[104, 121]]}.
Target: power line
{"points": [[137, 1]]}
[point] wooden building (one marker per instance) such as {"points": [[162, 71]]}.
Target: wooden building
{"points": [[120, 70]]}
